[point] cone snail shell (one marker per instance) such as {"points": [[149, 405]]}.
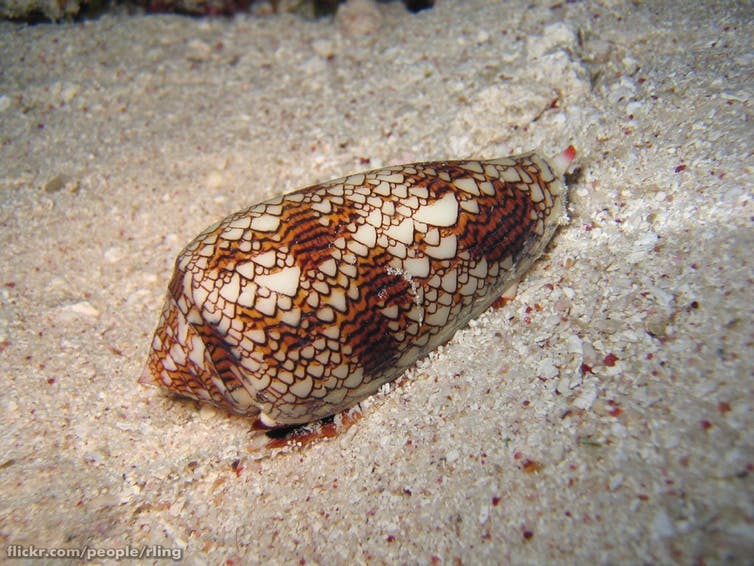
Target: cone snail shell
{"points": [[301, 306]]}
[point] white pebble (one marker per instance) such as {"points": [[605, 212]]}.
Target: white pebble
{"points": [[214, 180], [547, 369], [359, 17], [114, 254], [84, 308], [451, 456], [324, 48], [616, 481], [75, 311], [586, 399], [574, 345], [482, 36], [662, 526]]}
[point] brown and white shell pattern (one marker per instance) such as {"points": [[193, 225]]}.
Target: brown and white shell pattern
{"points": [[299, 307]]}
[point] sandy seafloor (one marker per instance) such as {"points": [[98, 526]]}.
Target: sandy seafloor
{"points": [[604, 416]]}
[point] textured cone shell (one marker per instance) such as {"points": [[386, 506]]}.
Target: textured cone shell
{"points": [[303, 305]]}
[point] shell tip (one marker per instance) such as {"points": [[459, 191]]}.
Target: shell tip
{"points": [[562, 161]]}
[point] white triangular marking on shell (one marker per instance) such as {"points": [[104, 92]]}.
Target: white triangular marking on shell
{"points": [[449, 281], [356, 377], [467, 184], [417, 266], [337, 299], [510, 175], [391, 178], [232, 234], [196, 352], [536, 193], [390, 311], [245, 269], [474, 166], [403, 232], [329, 267], [291, 317], [247, 295], [324, 207], [439, 317], [446, 249], [480, 269], [366, 234], [266, 305], [231, 289], [442, 212], [265, 223], [285, 281], [354, 180], [302, 388], [242, 222], [375, 218], [470, 206]]}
